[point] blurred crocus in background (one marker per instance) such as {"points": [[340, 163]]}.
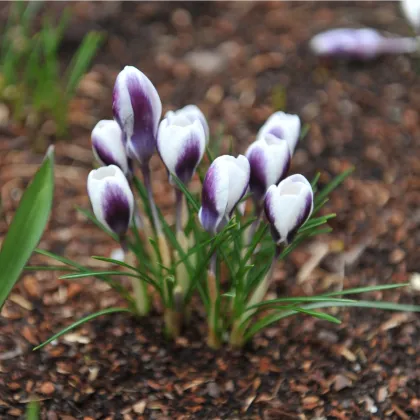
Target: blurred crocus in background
{"points": [[111, 198], [224, 186], [192, 113], [108, 145], [411, 10], [288, 206], [282, 126], [359, 44]]}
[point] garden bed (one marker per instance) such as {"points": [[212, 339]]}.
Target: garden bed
{"points": [[360, 114]]}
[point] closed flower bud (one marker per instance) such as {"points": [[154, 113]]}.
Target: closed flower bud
{"points": [[111, 198], [181, 144], [137, 109], [192, 113], [225, 184], [359, 44], [288, 206], [108, 145], [411, 10], [283, 126], [269, 159]]}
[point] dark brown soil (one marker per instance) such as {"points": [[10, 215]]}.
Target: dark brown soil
{"points": [[362, 114]]}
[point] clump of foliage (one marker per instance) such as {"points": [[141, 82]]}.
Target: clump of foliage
{"points": [[32, 82], [216, 248]]}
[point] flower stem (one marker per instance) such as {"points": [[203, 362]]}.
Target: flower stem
{"points": [[147, 183], [141, 297], [238, 328], [254, 227], [179, 198], [213, 340]]}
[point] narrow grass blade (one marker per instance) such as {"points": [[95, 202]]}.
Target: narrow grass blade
{"points": [[81, 322]]}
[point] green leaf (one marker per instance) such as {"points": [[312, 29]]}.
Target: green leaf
{"points": [[27, 226], [270, 319], [366, 289], [32, 410], [271, 303], [187, 194], [81, 322], [333, 185], [320, 315], [81, 61]]}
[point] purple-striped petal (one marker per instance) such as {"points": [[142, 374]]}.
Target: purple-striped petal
{"points": [[288, 206], [108, 145], [111, 197], [269, 159], [181, 146], [137, 108]]}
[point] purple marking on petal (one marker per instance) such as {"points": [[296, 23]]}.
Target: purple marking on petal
{"points": [[116, 111], [209, 213], [104, 154], [116, 209], [257, 181], [268, 209], [276, 131], [302, 217], [144, 138], [188, 160], [208, 219]]}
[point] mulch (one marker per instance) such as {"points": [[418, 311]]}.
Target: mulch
{"points": [[233, 59]]}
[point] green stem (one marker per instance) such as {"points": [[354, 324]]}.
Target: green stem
{"points": [[238, 329], [213, 339], [141, 297], [148, 185]]}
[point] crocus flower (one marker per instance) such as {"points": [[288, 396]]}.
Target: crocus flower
{"points": [[269, 159], [108, 145], [283, 126], [181, 144], [288, 206], [137, 109], [225, 184], [411, 10], [192, 113], [359, 44], [111, 198]]}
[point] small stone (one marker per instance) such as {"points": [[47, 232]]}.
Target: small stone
{"points": [[139, 407], [206, 62], [215, 94], [31, 285], [181, 18], [341, 382], [396, 256], [213, 390], [47, 388], [382, 394], [415, 281]]}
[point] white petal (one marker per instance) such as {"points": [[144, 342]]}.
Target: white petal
{"points": [[123, 100], [215, 194], [192, 113], [174, 137], [282, 125], [411, 10], [108, 145], [239, 173], [99, 180]]}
